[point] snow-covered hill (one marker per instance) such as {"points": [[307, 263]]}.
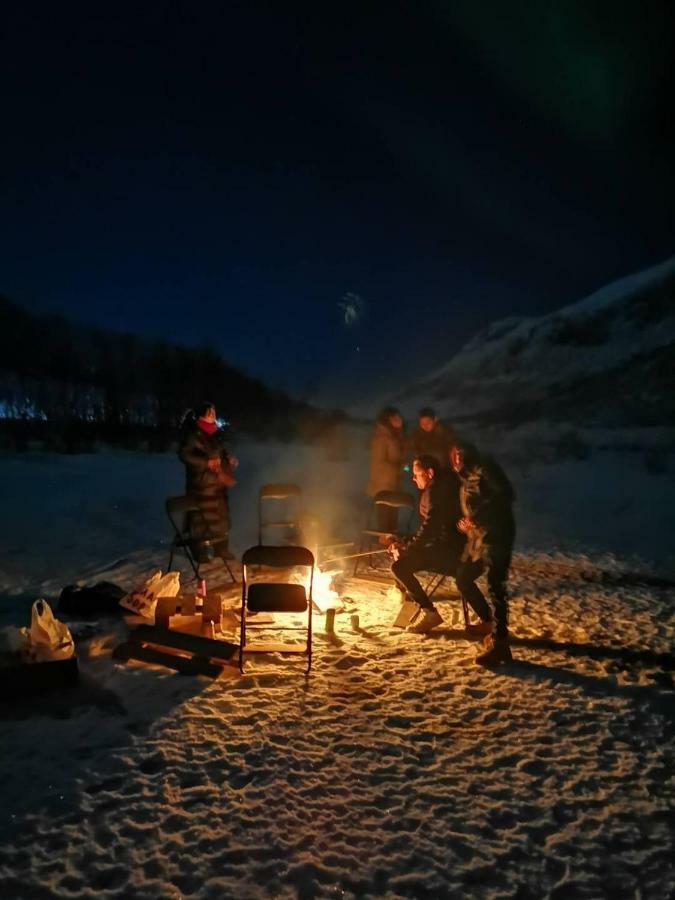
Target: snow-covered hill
{"points": [[607, 359]]}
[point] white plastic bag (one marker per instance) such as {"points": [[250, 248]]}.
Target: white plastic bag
{"points": [[143, 599], [49, 638]]}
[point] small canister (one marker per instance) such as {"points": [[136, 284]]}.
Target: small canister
{"points": [[330, 620], [355, 622]]}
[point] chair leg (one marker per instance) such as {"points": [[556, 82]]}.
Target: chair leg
{"points": [[230, 572], [358, 559], [242, 630], [193, 563], [436, 581], [309, 636]]}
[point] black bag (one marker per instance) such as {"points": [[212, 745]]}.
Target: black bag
{"points": [[103, 597]]}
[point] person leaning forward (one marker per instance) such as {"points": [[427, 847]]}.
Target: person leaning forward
{"points": [[486, 498], [436, 547]]}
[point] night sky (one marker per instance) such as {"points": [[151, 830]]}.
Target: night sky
{"points": [[336, 196]]}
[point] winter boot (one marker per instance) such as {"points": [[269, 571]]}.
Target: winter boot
{"points": [[497, 651], [428, 620], [480, 629]]}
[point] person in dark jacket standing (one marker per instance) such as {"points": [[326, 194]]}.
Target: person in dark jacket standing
{"points": [[435, 547], [486, 499], [208, 475], [431, 437], [387, 456]]}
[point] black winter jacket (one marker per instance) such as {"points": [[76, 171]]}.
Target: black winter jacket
{"points": [[487, 496], [195, 451], [435, 518]]}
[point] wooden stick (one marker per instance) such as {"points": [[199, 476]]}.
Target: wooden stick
{"points": [[352, 556]]}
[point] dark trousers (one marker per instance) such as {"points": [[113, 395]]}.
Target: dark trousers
{"points": [[495, 563], [426, 558]]}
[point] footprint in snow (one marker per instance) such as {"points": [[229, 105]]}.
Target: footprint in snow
{"points": [[349, 662]]}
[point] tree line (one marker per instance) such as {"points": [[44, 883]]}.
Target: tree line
{"points": [[71, 385]]}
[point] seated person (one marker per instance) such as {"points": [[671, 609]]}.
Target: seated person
{"points": [[436, 547]]}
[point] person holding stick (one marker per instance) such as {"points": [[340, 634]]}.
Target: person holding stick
{"points": [[436, 546]]}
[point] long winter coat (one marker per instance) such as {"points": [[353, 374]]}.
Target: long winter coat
{"points": [[437, 443], [387, 453], [205, 486]]}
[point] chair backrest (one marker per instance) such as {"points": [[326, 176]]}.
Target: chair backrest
{"points": [[396, 499], [279, 491], [279, 557], [177, 509]]}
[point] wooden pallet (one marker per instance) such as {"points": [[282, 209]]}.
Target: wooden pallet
{"points": [[189, 654]]}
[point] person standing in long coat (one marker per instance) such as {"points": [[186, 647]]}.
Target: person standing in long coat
{"points": [[387, 457], [208, 475]]}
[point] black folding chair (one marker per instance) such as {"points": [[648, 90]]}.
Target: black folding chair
{"points": [[436, 581], [276, 597], [291, 520], [398, 500], [200, 548]]}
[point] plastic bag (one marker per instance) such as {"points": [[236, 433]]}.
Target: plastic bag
{"points": [[49, 639], [143, 599]]}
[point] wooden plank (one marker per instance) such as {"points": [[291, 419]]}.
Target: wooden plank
{"points": [[186, 665], [383, 579], [406, 614], [209, 648], [275, 647]]}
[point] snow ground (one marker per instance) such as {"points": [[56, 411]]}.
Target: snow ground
{"points": [[399, 768]]}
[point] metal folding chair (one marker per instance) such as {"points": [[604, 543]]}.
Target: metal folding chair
{"points": [[276, 597], [436, 581], [280, 492], [182, 513], [397, 500]]}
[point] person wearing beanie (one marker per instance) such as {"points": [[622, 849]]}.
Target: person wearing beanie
{"points": [[208, 476]]}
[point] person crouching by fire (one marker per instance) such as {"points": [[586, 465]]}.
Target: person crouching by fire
{"points": [[436, 547], [208, 475], [486, 498]]}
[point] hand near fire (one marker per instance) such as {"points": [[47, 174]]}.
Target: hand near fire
{"points": [[465, 525], [213, 465], [233, 461], [395, 549]]}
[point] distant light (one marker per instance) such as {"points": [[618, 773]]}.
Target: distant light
{"points": [[353, 308]]}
